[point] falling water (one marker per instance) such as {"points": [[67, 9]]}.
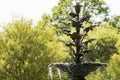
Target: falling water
{"points": [[50, 76], [59, 74], [50, 73]]}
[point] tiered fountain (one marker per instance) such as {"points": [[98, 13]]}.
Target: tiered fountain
{"points": [[77, 70]]}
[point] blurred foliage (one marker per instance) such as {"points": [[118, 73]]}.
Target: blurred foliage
{"points": [[105, 44], [94, 8], [115, 21], [117, 45], [111, 72], [26, 51]]}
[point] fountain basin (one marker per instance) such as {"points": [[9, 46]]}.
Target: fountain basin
{"points": [[75, 70]]}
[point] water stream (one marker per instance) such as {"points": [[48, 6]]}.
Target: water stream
{"points": [[59, 74], [50, 76]]}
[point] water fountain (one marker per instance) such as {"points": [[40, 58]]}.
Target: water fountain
{"points": [[78, 69]]}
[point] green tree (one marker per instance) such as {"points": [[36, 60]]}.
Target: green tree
{"points": [[26, 51], [115, 21], [117, 45], [111, 72], [113, 67], [60, 13], [95, 8], [99, 74], [105, 44]]}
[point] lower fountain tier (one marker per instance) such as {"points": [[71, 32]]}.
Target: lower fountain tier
{"points": [[77, 70]]}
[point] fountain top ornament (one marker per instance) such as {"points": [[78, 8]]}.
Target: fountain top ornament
{"points": [[76, 37], [78, 48]]}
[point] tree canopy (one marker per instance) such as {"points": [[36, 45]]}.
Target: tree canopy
{"points": [[26, 50]]}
